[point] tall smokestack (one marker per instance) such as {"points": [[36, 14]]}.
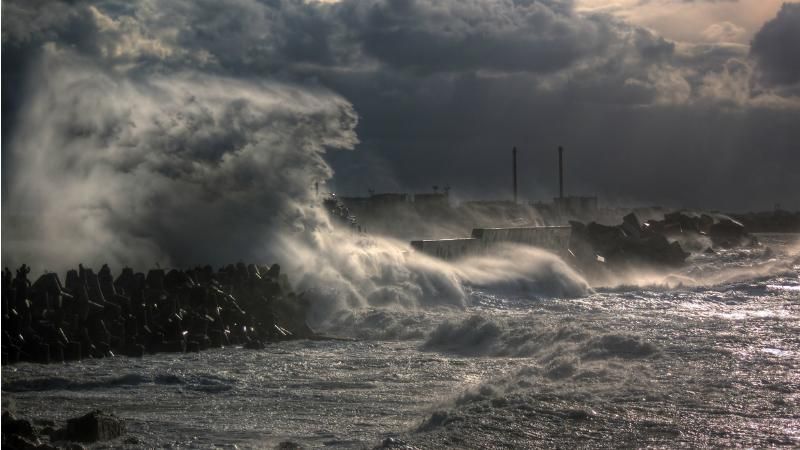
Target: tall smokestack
{"points": [[514, 171], [560, 172]]}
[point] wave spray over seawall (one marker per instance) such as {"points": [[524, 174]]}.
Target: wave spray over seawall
{"points": [[193, 169]]}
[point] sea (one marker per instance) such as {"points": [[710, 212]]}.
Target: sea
{"points": [[705, 356]]}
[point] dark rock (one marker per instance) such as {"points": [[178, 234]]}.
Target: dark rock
{"points": [[216, 338], [778, 221], [727, 233], [685, 221], [48, 283], [17, 442], [289, 445], [709, 251], [135, 350], [42, 354], [103, 350], [20, 427], [274, 271], [623, 246], [95, 426], [73, 446], [155, 279], [254, 345], [174, 346], [705, 223], [631, 226], [395, 443]]}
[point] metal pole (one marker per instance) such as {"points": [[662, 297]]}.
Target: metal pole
{"points": [[514, 171], [561, 172]]}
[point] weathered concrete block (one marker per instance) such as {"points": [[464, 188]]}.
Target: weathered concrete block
{"points": [[134, 350], [176, 346], [21, 427], [95, 426], [254, 345]]}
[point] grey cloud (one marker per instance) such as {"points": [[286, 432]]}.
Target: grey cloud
{"points": [[506, 35], [776, 47]]}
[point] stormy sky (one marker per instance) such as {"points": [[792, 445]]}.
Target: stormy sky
{"points": [[686, 103]]}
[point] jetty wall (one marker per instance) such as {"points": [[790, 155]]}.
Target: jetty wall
{"points": [[554, 239]]}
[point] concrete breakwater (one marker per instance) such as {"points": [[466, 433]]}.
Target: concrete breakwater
{"points": [[555, 239], [95, 315], [595, 247]]}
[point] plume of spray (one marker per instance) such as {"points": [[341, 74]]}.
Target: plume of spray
{"points": [[178, 170], [350, 272]]}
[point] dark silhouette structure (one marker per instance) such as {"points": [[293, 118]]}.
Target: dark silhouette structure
{"points": [[560, 172], [514, 171]]}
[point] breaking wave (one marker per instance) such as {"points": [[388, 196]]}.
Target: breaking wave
{"points": [[480, 336], [343, 272], [187, 168]]}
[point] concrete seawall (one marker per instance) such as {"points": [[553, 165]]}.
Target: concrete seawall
{"points": [[554, 239]]}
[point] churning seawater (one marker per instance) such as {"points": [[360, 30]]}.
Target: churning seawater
{"points": [[710, 357]]}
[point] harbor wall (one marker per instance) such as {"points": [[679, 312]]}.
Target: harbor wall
{"points": [[554, 239], [449, 248], [550, 238]]}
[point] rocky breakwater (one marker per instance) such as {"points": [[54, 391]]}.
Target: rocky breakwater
{"points": [[597, 248], [699, 231], [96, 426], [94, 315]]}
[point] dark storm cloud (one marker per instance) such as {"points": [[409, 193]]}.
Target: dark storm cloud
{"points": [[473, 34], [776, 46], [443, 89]]}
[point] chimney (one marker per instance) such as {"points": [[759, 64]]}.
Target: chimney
{"points": [[560, 172], [514, 171]]}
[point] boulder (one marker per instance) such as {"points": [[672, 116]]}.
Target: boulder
{"points": [[134, 350], [393, 443], [631, 226], [173, 346], [20, 427], [622, 246], [17, 442], [254, 344], [274, 271], [94, 426], [728, 233]]}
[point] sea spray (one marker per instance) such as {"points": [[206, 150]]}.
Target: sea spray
{"points": [[188, 168], [702, 270], [177, 168], [346, 271]]}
